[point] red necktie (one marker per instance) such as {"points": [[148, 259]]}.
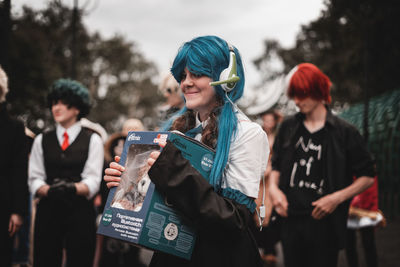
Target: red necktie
{"points": [[65, 144]]}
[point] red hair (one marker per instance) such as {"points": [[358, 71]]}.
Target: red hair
{"points": [[309, 81]]}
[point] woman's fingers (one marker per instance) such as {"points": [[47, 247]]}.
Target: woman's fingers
{"points": [[113, 174], [116, 166], [155, 154], [112, 184], [150, 161], [112, 180], [117, 159], [108, 178], [153, 157]]}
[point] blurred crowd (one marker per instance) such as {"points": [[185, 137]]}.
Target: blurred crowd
{"points": [[54, 193]]}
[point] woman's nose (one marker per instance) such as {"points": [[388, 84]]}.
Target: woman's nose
{"points": [[187, 82]]}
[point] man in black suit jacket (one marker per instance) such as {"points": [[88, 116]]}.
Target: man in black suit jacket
{"points": [[14, 194]]}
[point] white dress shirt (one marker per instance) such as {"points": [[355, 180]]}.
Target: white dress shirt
{"points": [[248, 156], [92, 171]]}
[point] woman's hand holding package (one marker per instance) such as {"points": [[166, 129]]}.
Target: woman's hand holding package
{"points": [[155, 154], [113, 173], [153, 157]]}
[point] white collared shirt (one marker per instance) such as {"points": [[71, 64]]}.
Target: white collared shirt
{"points": [[248, 156], [92, 171], [203, 125]]}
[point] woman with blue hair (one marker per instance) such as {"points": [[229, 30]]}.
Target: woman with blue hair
{"points": [[211, 76]]}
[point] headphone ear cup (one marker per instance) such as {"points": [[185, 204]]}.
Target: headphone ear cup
{"points": [[228, 78], [225, 76]]}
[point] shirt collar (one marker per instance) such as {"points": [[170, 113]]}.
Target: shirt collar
{"points": [[330, 118], [203, 123], [72, 131]]}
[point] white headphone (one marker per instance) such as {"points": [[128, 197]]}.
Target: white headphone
{"points": [[228, 77]]}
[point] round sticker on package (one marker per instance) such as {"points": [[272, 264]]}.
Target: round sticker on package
{"points": [[107, 217], [207, 162], [171, 231]]}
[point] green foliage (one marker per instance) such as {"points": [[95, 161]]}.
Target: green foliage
{"points": [[354, 42], [117, 75]]}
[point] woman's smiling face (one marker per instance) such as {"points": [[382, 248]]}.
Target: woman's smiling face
{"points": [[199, 94]]}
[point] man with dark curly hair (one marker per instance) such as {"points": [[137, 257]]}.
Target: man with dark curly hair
{"points": [[65, 173]]}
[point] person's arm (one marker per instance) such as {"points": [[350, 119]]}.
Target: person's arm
{"points": [[278, 198], [14, 224], [362, 166], [268, 169], [247, 160], [327, 204], [264, 188], [36, 170], [191, 194], [91, 174], [19, 166]]}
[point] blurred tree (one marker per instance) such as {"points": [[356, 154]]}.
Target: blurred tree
{"points": [[118, 76], [354, 42]]}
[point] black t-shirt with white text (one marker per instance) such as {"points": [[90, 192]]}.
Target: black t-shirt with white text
{"points": [[306, 182]]}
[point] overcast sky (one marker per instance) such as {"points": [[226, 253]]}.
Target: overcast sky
{"points": [[159, 27]]}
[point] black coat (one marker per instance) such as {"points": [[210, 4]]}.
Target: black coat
{"points": [[223, 235], [14, 194]]}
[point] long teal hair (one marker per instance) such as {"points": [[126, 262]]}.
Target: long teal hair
{"points": [[209, 56]]}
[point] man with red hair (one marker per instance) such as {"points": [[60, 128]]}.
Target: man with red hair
{"points": [[315, 156]]}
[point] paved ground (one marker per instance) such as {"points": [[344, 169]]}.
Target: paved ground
{"points": [[388, 244], [387, 241]]}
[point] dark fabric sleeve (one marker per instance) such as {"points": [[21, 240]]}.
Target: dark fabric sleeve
{"points": [[19, 171], [361, 160], [277, 150], [194, 197]]}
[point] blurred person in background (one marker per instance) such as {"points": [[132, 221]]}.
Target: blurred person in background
{"points": [[267, 231], [364, 218], [110, 251], [114, 147], [172, 93], [270, 122], [23, 238], [132, 124], [65, 169], [315, 156], [14, 194]]}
